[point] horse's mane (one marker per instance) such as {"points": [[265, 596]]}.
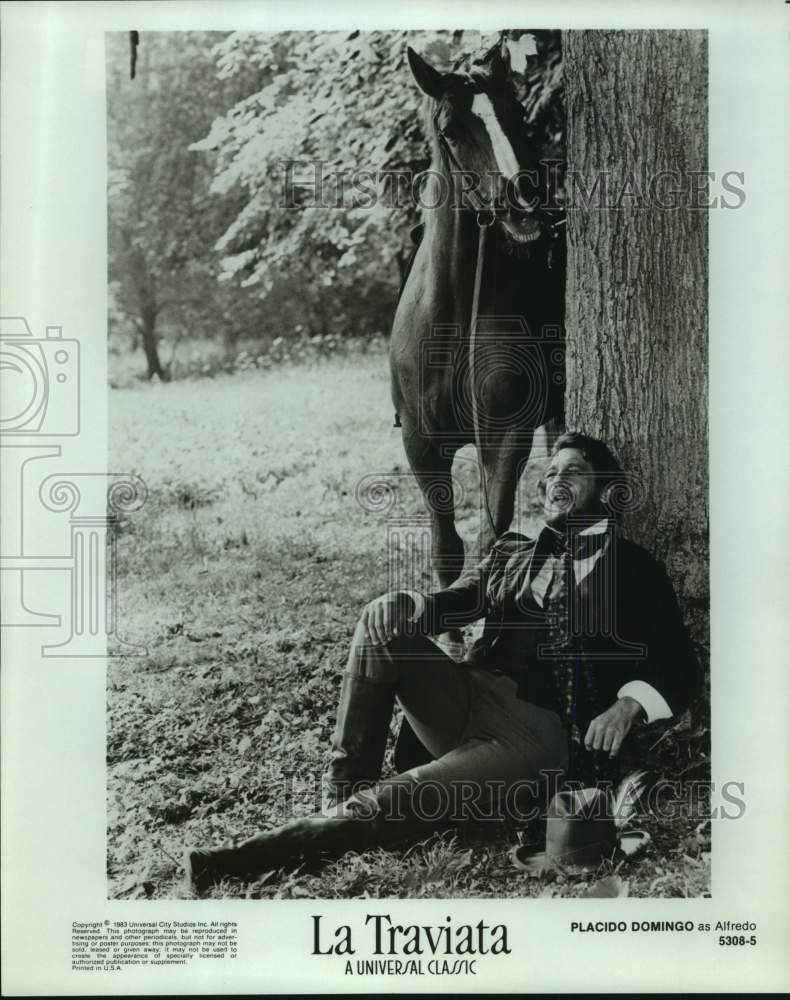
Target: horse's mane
{"points": [[428, 179]]}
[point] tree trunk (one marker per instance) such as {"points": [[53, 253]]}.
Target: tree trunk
{"points": [[145, 302], [637, 282], [230, 342], [150, 343]]}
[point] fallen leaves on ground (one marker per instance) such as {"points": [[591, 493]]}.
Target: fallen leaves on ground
{"points": [[243, 576]]}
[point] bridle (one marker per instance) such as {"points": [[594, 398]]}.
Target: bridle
{"points": [[487, 213]]}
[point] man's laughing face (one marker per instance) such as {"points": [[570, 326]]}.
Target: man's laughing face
{"points": [[570, 487]]}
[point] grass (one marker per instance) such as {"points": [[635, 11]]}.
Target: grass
{"points": [[243, 575]]}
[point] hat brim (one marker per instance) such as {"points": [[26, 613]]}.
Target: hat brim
{"points": [[633, 842], [527, 858]]}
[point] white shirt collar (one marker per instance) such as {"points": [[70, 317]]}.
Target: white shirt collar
{"points": [[597, 528]]}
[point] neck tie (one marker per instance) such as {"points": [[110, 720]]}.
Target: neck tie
{"points": [[575, 691], [558, 621], [580, 546]]}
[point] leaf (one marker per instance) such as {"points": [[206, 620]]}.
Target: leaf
{"points": [[702, 833], [607, 888], [461, 861], [631, 792], [130, 882], [547, 872]]}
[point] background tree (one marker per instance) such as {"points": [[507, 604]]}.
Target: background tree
{"points": [[163, 219], [637, 281]]}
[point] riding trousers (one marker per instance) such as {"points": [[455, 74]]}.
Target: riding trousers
{"points": [[492, 750]]}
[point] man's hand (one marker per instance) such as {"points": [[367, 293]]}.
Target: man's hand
{"points": [[386, 616], [608, 730]]}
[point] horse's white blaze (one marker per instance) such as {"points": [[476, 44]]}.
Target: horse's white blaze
{"points": [[503, 151]]}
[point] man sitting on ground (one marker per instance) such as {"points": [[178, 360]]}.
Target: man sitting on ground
{"points": [[582, 637]]}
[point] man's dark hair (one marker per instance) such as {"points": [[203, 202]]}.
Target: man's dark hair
{"points": [[606, 466]]}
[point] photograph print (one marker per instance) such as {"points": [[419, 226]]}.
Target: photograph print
{"points": [[408, 340]]}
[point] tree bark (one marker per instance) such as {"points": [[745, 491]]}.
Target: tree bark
{"points": [[637, 282], [149, 309], [150, 343]]}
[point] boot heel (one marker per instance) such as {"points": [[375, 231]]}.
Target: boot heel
{"points": [[207, 866], [200, 873]]}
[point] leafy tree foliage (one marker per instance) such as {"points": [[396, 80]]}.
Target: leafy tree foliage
{"points": [[263, 185], [339, 113]]}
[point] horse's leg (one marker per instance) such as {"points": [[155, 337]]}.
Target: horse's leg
{"points": [[432, 465], [503, 461]]}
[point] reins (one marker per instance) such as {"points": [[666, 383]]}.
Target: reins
{"points": [[478, 204], [482, 229], [486, 215]]}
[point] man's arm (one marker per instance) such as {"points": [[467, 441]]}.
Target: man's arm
{"points": [[401, 611], [464, 601], [666, 681], [653, 703], [671, 667]]}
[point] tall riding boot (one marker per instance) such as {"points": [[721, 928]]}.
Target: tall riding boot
{"points": [[363, 720], [311, 839], [379, 819]]}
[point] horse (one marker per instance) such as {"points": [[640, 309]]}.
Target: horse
{"points": [[477, 345]]}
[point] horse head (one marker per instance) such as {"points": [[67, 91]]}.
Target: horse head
{"points": [[478, 129]]}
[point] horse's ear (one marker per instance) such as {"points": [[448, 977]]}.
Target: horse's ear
{"points": [[429, 80]]}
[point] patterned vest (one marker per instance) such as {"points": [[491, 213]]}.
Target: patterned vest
{"points": [[573, 675]]}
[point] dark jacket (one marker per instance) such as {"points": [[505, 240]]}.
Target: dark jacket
{"points": [[624, 623]]}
